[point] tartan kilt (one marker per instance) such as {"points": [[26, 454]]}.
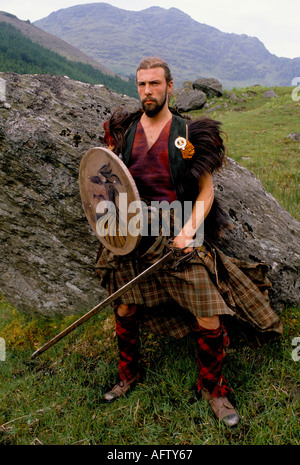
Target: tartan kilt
{"points": [[210, 284]]}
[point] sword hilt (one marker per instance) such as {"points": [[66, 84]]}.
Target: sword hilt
{"points": [[180, 257]]}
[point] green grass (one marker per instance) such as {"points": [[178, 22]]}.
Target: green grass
{"points": [[257, 130], [56, 399]]}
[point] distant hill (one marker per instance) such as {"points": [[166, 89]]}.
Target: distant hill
{"points": [[51, 42], [119, 38], [25, 49]]}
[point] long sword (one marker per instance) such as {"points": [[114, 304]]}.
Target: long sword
{"points": [[166, 258]]}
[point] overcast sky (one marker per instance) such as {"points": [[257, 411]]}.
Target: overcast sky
{"points": [[274, 22]]}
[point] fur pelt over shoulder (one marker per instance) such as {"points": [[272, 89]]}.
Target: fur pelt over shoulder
{"points": [[206, 136], [210, 154]]}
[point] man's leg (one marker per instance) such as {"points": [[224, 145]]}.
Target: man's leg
{"points": [[212, 340], [127, 329]]}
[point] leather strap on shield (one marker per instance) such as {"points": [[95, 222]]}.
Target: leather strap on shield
{"points": [[110, 200]]}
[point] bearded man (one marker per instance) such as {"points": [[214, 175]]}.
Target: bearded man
{"points": [[196, 297]]}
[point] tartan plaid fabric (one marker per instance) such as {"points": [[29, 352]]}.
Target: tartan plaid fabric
{"points": [[211, 345], [127, 330], [211, 284]]}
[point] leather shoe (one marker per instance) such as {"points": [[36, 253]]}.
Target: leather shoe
{"points": [[121, 388], [222, 408]]}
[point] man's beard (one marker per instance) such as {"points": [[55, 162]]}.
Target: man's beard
{"points": [[153, 109]]}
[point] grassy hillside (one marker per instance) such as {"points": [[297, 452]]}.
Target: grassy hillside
{"points": [[57, 398], [257, 130], [21, 55]]}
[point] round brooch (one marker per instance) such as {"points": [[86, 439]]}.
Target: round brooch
{"points": [[187, 149]]}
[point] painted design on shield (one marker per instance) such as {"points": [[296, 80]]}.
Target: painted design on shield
{"points": [[108, 191], [106, 195]]}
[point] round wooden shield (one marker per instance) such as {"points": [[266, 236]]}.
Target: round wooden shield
{"points": [[110, 200]]}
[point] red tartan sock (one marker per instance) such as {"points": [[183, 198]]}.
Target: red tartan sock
{"points": [[127, 328], [211, 344]]}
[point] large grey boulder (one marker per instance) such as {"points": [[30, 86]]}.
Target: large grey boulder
{"points": [[189, 99], [47, 248], [210, 86], [193, 95], [262, 231]]}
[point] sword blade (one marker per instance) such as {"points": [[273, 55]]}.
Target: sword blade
{"points": [[104, 303]]}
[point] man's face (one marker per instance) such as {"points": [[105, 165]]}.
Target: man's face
{"points": [[153, 90]]}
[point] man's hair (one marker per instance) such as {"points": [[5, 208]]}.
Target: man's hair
{"points": [[156, 62]]}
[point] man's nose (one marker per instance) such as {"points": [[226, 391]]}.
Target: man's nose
{"points": [[148, 90]]}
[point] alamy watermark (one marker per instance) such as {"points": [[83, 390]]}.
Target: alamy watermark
{"points": [[140, 219], [296, 351], [296, 90], [2, 350], [2, 90]]}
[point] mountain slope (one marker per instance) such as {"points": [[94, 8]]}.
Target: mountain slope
{"points": [[18, 53], [119, 38], [51, 42]]}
